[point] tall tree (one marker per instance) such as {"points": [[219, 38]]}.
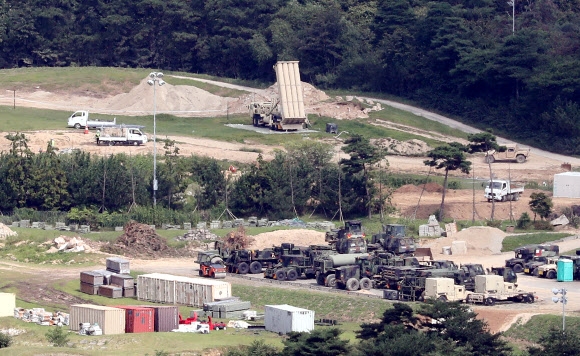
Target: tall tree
{"points": [[540, 204], [450, 157], [362, 156]]}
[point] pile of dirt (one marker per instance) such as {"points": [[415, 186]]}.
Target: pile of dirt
{"points": [[140, 241], [408, 188], [299, 237], [412, 147], [430, 187], [5, 231], [480, 240]]}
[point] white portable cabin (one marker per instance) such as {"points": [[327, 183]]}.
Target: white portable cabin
{"points": [[285, 318], [567, 185], [7, 304]]}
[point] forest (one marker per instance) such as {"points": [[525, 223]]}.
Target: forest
{"points": [[511, 66]]}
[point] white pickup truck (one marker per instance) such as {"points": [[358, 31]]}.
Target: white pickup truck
{"points": [[503, 190], [121, 136], [80, 119]]}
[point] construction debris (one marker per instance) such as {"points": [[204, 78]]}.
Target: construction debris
{"points": [[41, 317], [68, 244], [5, 231], [198, 235], [139, 240]]}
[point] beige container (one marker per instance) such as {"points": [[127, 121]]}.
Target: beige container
{"points": [[165, 288], [489, 284], [434, 287], [111, 320], [7, 304]]}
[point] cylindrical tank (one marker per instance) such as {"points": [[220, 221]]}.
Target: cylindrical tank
{"points": [[345, 259]]}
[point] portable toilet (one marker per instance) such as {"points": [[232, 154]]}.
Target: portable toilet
{"points": [[565, 270]]}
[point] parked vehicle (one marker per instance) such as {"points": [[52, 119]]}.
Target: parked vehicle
{"points": [[250, 261], [211, 264], [512, 153], [549, 270], [531, 267], [121, 135], [325, 267], [287, 111], [80, 119], [489, 289], [350, 238], [525, 254], [503, 190], [393, 239]]}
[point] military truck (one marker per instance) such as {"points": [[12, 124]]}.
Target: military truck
{"points": [[507, 273], [531, 267], [325, 267], [393, 239], [287, 111], [549, 270], [297, 262], [350, 238], [253, 261], [512, 153], [525, 254], [489, 289], [365, 270]]}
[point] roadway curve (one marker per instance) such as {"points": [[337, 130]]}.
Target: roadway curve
{"points": [[419, 112]]}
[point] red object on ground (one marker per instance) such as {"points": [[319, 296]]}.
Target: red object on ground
{"points": [[86, 130], [138, 319], [187, 321]]}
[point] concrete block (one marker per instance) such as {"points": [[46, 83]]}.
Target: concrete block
{"points": [[458, 248]]}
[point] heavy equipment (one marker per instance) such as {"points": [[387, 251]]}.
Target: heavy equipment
{"points": [[393, 239], [244, 261], [211, 264], [525, 253], [350, 238], [287, 111]]}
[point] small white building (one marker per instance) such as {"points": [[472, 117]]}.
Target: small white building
{"points": [[7, 304], [285, 318], [567, 185]]}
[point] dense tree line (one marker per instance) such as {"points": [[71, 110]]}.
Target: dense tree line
{"points": [[436, 328], [299, 181], [464, 57]]}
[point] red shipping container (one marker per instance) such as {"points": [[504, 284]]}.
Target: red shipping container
{"points": [[138, 319]]}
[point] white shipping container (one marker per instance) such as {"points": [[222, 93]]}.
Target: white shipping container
{"points": [[567, 185], [286, 318], [111, 320], [7, 304], [166, 288]]}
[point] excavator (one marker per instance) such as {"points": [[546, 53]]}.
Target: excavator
{"points": [[211, 265]]}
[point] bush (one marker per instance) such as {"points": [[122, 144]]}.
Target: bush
{"points": [[493, 223], [524, 222], [543, 225], [5, 340], [57, 336]]}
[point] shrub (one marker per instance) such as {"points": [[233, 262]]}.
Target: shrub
{"points": [[5, 340], [493, 223], [524, 222], [57, 336], [543, 225]]}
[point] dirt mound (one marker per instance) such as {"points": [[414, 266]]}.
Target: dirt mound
{"points": [[237, 239], [408, 188], [432, 187], [140, 241], [412, 147], [480, 240], [299, 237]]}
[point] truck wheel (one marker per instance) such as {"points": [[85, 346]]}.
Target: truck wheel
{"points": [[489, 159], [520, 158], [352, 284], [489, 301], [243, 268], [331, 281], [529, 298], [551, 274], [442, 298], [77, 126], [366, 283], [281, 275], [320, 278], [201, 273], [291, 275], [255, 267], [535, 272], [111, 143], [518, 268]]}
